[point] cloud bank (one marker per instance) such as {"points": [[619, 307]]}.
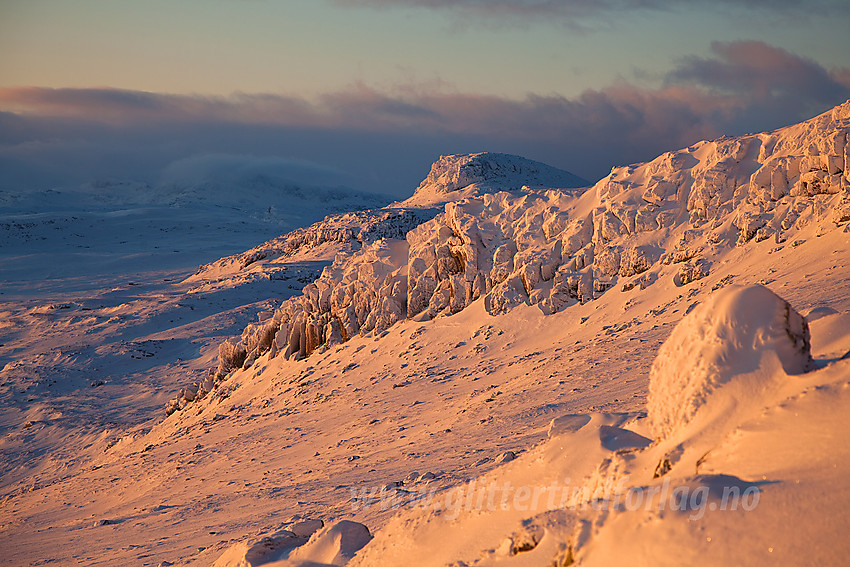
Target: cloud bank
{"points": [[386, 140]]}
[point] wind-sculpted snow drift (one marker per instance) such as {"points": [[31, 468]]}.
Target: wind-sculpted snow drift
{"points": [[551, 247]]}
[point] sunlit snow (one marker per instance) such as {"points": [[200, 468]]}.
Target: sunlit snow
{"points": [[507, 368]]}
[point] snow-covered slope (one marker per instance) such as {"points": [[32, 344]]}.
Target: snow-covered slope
{"points": [[97, 327], [672, 220], [756, 476], [507, 338]]}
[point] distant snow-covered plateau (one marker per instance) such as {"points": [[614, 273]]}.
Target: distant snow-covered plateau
{"points": [[507, 368]]}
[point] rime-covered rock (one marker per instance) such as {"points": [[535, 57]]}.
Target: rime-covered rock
{"points": [[455, 176], [637, 259], [691, 271], [721, 339]]}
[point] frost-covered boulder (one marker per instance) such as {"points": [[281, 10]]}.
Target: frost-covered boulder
{"points": [[637, 259], [691, 271], [722, 338]]}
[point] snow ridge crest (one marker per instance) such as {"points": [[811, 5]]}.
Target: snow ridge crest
{"points": [[488, 172]]}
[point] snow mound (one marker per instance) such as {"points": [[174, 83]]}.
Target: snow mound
{"points": [[332, 545], [304, 543], [291, 190], [724, 337], [462, 175], [262, 552]]}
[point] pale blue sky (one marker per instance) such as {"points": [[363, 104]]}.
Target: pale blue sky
{"points": [[307, 47]]}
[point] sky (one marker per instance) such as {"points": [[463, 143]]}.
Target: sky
{"points": [[375, 90]]}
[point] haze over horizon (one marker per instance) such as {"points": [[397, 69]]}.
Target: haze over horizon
{"points": [[373, 91]]}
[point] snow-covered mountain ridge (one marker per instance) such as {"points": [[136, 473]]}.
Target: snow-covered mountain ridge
{"points": [[451, 178], [672, 217], [647, 228]]}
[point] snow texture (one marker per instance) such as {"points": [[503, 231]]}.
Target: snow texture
{"points": [[721, 339]]}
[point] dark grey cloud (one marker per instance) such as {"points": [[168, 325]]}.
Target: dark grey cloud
{"points": [[761, 80], [386, 141], [120, 106], [37, 152], [756, 70]]}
